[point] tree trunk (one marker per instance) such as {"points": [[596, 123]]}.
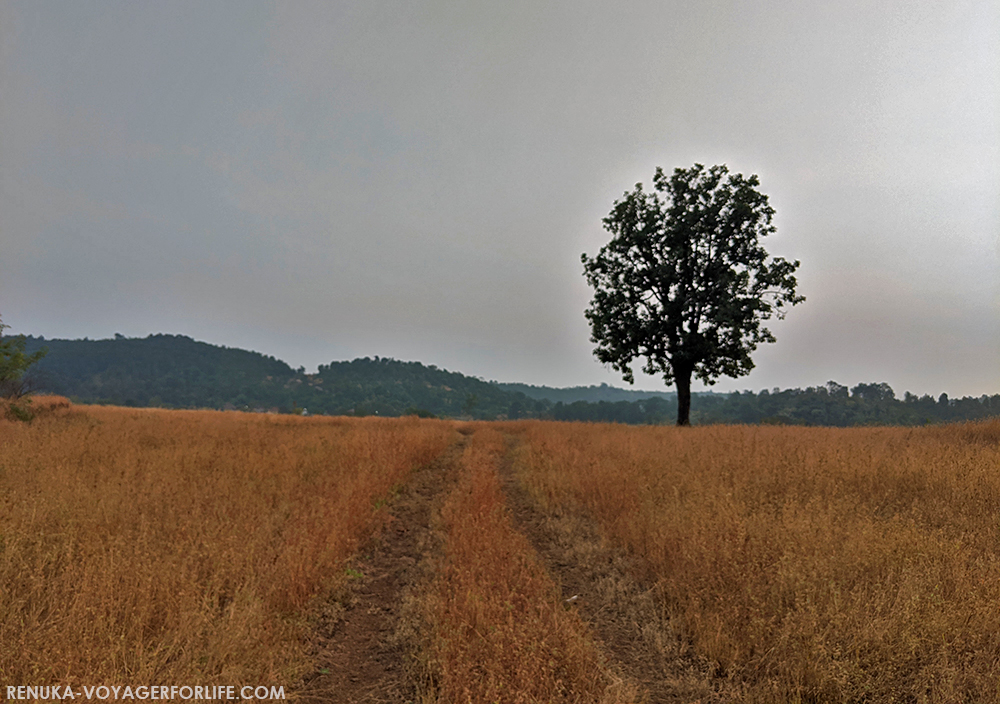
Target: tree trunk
{"points": [[682, 378]]}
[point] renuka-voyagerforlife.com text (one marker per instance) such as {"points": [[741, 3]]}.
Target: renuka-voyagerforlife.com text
{"points": [[161, 692]]}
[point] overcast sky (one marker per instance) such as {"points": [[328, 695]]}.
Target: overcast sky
{"points": [[322, 181]]}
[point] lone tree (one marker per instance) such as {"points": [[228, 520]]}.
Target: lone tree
{"points": [[14, 362], [684, 281]]}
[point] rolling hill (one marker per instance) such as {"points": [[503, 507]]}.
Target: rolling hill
{"points": [[174, 371]]}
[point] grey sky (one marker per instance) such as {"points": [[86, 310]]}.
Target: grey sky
{"points": [[327, 180]]}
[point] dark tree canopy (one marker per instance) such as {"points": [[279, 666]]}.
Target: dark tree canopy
{"points": [[684, 281], [14, 363]]}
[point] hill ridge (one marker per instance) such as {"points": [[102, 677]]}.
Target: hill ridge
{"points": [[176, 371]]}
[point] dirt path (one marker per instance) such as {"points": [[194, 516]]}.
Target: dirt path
{"points": [[634, 633], [362, 643]]}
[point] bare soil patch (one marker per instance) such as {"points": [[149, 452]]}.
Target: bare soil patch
{"points": [[634, 631], [363, 642]]}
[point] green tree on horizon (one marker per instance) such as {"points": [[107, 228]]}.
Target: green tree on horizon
{"points": [[684, 281]]}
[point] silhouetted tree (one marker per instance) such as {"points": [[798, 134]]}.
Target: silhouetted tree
{"points": [[684, 281]]}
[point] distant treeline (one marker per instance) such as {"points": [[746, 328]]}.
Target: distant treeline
{"points": [[837, 405], [592, 394], [174, 371]]}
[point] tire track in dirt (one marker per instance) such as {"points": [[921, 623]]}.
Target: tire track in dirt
{"points": [[633, 630], [362, 644]]}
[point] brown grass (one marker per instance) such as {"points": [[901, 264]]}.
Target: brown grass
{"points": [[28, 408], [501, 631], [826, 565], [41, 404], [150, 546]]}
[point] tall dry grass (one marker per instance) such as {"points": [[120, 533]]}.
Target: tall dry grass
{"points": [[151, 546], [27, 408], [500, 630], [819, 565]]}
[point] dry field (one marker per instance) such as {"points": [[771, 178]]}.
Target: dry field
{"points": [[500, 632], [390, 560], [813, 565], [149, 546]]}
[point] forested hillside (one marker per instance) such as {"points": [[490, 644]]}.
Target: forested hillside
{"points": [[160, 370], [390, 387], [174, 371]]}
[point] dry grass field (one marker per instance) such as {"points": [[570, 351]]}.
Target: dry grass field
{"points": [[810, 565], [500, 630], [149, 546], [767, 564]]}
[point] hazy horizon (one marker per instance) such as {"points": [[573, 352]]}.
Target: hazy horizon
{"points": [[620, 384]]}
